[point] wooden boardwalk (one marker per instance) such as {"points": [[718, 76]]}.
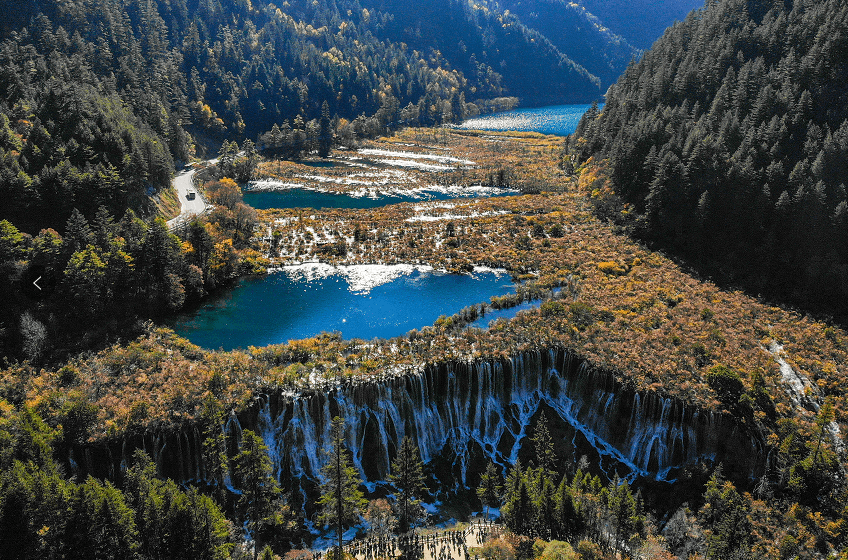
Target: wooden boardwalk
{"points": [[432, 545]]}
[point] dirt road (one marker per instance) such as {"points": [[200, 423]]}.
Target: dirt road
{"points": [[184, 185]]}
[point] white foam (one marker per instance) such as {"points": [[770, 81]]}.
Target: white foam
{"points": [[414, 155], [361, 278], [490, 270], [272, 185], [454, 216], [415, 164]]}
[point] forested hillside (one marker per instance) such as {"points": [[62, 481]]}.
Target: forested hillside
{"points": [[641, 22], [729, 139], [99, 97], [574, 30]]}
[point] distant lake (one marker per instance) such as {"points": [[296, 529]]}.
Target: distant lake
{"points": [[561, 120], [360, 301], [307, 198]]}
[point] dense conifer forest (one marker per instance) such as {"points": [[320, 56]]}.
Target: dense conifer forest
{"points": [[100, 97], [727, 144]]}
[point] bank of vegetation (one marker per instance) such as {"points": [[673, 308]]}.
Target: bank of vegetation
{"points": [[98, 279], [726, 145]]}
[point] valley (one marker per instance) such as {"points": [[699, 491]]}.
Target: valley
{"points": [[621, 354], [320, 280]]}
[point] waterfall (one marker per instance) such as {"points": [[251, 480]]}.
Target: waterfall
{"points": [[460, 412], [463, 414]]}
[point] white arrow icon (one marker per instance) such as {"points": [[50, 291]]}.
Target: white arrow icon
{"points": [[35, 283]]}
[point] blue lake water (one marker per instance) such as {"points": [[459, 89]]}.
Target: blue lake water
{"points": [[305, 198], [360, 302], [561, 120], [507, 313]]}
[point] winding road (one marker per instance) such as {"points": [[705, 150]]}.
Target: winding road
{"points": [[183, 184]]}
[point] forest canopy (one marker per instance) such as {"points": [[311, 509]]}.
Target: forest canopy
{"points": [[729, 140], [100, 97]]}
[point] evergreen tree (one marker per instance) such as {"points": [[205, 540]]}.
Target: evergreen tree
{"points": [[725, 516], [408, 477], [202, 243], [100, 524], [621, 509], [544, 519], [259, 489], [325, 134], [518, 512], [823, 420], [490, 488], [77, 233], [568, 521], [341, 499], [543, 445], [142, 489], [173, 524], [215, 447], [713, 141], [513, 480], [104, 227]]}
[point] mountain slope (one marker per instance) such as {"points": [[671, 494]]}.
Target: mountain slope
{"points": [[99, 96], [578, 33], [477, 38], [730, 139], [641, 22]]}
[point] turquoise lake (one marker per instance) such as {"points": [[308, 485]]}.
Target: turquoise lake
{"points": [[305, 198], [561, 120], [359, 302]]}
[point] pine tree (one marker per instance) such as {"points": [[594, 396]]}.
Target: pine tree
{"points": [[823, 420], [513, 480], [341, 499], [77, 233], [621, 509], [490, 488], [259, 490], [543, 445], [568, 520], [214, 446], [725, 515], [518, 510], [408, 477], [545, 510], [325, 134], [104, 227]]}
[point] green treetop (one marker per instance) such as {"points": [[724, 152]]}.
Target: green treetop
{"points": [[341, 499], [259, 489], [408, 478], [490, 488]]}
